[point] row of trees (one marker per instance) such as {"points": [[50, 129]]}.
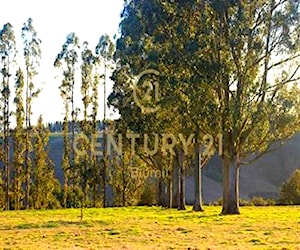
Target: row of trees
{"points": [[83, 173], [27, 173], [225, 67], [26, 166], [228, 76]]}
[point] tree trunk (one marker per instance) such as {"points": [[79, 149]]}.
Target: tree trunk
{"points": [[94, 189], [182, 181], [197, 179], [124, 184], [169, 194], [104, 166], [230, 187], [65, 193], [104, 182], [164, 193], [6, 161], [175, 181], [159, 191]]}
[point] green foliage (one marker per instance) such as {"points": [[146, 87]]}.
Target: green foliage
{"points": [[290, 190], [44, 182], [126, 182], [7, 54], [75, 197], [258, 201], [222, 70], [85, 162], [19, 142], [32, 56], [67, 61], [255, 201]]}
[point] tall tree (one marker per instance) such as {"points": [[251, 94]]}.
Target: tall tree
{"points": [[8, 53], [239, 65], [87, 70], [104, 51], [19, 140], [150, 47], [96, 186], [44, 181], [32, 56], [253, 45], [67, 61]]}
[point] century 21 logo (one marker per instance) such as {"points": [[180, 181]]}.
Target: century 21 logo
{"points": [[146, 91]]}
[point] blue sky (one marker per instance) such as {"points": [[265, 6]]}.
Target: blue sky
{"points": [[54, 20]]}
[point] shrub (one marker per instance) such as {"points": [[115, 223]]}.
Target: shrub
{"points": [[290, 190], [259, 201], [244, 203], [271, 202], [218, 202], [255, 201]]}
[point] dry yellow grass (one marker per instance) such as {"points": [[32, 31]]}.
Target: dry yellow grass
{"points": [[151, 228]]}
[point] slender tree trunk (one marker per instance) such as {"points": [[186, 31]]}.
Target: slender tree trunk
{"points": [[6, 145], [17, 183], [182, 180], [164, 193], [230, 187], [27, 142], [105, 139], [197, 179], [159, 191], [72, 164], [66, 156], [6, 162], [94, 191], [96, 179], [169, 193], [104, 166], [123, 183], [175, 181], [65, 195]]}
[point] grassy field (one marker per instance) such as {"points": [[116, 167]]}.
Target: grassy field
{"points": [[151, 228]]}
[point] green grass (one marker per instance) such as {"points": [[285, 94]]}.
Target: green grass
{"points": [[151, 228]]}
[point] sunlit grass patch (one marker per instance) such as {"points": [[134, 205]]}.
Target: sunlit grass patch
{"points": [[151, 228]]}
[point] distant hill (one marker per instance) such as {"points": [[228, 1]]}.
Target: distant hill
{"points": [[262, 178]]}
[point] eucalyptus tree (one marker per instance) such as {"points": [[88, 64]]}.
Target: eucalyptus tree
{"points": [[44, 181], [136, 125], [171, 50], [255, 46], [67, 61], [8, 53], [104, 52], [126, 183], [221, 58], [32, 56], [19, 141], [94, 130], [87, 82], [133, 59]]}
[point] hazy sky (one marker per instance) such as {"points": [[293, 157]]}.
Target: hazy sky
{"points": [[53, 21]]}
